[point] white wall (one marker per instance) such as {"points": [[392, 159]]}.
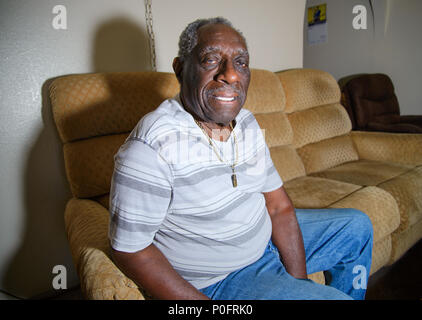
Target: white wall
{"points": [[393, 47], [398, 50], [273, 28], [102, 35]]}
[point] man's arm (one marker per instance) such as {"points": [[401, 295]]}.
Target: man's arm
{"points": [[150, 269], [286, 234]]}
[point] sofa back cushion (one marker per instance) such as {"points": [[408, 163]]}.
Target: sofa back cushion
{"points": [[91, 105], [94, 113], [320, 124], [267, 101]]}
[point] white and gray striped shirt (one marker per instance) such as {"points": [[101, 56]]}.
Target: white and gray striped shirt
{"points": [[170, 189]]}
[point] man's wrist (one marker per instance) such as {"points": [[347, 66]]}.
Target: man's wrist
{"points": [[298, 275]]}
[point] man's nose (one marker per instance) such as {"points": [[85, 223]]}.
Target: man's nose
{"points": [[227, 73]]}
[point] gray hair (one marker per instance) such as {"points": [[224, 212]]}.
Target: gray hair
{"points": [[189, 37]]}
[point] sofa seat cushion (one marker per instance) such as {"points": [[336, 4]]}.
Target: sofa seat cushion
{"points": [[403, 182], [314, 192], [381, 253], [378, 204], [407, 190], [364, 172], [402, 241]]}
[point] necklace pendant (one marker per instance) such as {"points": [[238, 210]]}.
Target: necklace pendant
{"points": [[234, 180]]}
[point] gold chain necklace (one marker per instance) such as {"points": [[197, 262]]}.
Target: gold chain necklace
{"points": [[234, 178]]}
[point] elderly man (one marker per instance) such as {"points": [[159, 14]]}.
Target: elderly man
{"points": [[198, 210]]}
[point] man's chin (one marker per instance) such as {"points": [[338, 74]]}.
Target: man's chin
{"points": [[225, 121], [224, 113]]}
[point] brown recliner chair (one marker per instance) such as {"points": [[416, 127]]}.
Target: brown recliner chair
{"points": [[372, 105]]}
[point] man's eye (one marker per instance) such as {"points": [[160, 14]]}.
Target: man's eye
{"points": [[210, 61], [242, 63]]}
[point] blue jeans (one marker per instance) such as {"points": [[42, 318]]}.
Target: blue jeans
{"points": [[337, 241]]}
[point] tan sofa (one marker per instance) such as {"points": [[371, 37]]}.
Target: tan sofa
{"points": [[322, 162]]}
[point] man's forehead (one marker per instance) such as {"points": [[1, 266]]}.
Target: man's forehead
{"points": [[215, 49], [215, 37], [219, 31]]}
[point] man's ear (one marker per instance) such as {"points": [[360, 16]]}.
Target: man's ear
{"points": [[178, 68]]}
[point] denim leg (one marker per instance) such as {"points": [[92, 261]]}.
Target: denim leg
{"points": [[267, 279], [338, 241]]}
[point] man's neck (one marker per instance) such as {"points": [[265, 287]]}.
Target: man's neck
{"points": [[216, 131]]}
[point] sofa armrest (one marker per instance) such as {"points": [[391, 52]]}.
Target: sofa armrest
{"points": [[416, 120], [405, 148], [87, 231]]}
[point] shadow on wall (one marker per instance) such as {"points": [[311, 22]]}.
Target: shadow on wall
{"points": [[119, 45]]}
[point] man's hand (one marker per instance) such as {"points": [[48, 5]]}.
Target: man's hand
{"points": [[150, 269], [286, 234]]}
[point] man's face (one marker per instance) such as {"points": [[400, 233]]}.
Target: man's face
{"points": [[215, 78]]}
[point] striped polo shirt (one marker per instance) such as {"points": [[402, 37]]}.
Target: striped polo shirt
{"points": [[170, 189]]}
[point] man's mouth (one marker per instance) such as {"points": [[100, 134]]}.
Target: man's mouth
{"points": [[225, 96], [225, 99]]}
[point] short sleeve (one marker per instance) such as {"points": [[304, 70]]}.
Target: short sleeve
{"points": [[273, 180], [140, 196]]}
